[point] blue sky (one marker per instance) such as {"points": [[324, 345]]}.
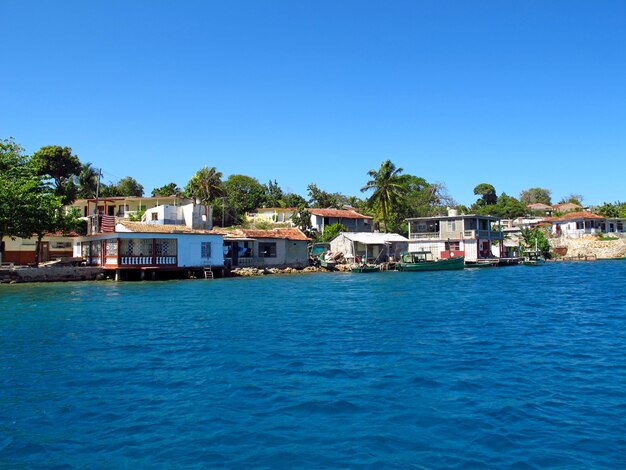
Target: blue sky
{"points": [[517, 94]]}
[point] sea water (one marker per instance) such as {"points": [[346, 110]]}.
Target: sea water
{"points": [[519, 367]]}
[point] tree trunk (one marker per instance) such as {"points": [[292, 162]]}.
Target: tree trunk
{"points": [[38, 250]]}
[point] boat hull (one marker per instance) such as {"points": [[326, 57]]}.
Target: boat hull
{"points": [[435, 265], [365, 269]]}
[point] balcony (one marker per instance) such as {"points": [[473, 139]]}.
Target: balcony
{"points": [[460, 235]]}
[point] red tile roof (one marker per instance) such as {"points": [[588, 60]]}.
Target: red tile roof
{"points": [[288, 233], [338, 213], [577, 216], [285, 233]]}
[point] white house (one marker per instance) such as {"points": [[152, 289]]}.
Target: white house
{"points": [[152, 248], [472, 236], [373, 247], [191, 215], [578, 224]]}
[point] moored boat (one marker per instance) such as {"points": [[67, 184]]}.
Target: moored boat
{"points": [[533, 258], [365, 268], [423, 261]]}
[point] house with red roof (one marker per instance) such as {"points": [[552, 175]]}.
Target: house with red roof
{"points": [[578, 224], [279, 247], [351, 219]]}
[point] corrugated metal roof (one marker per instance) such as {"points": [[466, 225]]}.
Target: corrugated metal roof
{"points": [[369, 238]]}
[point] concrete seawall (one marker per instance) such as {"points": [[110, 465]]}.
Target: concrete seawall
{"points": [[50, 274]]}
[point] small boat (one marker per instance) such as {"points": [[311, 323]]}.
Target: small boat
{"points": [[365, 268], [329, 264], [485, 263], [533, 258], [423, 261]]}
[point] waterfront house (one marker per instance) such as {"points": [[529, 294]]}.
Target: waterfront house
{"points": [[472, 236], [54, 246], [279, 247], [372, 247], [135, 246], [351, 219], [578, 224]]}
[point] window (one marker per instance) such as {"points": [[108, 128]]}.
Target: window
{"points": [[155, 216], [205, 249], [267, 250], [451, 225], [61, 245], [454, 246]]}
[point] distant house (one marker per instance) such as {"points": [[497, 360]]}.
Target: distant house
{"points": [[22, 250], [471, 236], [272, 215], [373, 247], [279, 247], [151, 248], [190, 215], [351, 219], [566, 207], [578, 224], [539, 207]]}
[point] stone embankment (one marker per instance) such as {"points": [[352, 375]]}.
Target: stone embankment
{"points": [[247, 272], [589, 247], [50, 274]]}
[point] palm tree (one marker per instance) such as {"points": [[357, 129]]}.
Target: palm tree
{"points": [[87, 181], [205, 186], [387, 187]]}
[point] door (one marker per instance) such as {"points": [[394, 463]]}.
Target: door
{"points": [[44, 252]]}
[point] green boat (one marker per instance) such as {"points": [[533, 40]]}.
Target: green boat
{"points": [[365, 268], [423, 261]]}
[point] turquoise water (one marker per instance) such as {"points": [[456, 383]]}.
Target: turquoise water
{"points": [[494, 368]]}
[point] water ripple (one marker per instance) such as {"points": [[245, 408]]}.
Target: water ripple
{"points": [[505, 368]]}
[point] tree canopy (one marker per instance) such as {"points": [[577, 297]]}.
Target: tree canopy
{"points": [[535, 196], [487, 194], [61, 166], [387, 189], [170, 189]]}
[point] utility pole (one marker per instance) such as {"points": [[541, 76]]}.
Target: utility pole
{"points": [[97, 224], [223, 210]]}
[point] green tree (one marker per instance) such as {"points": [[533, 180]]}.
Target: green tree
{"points": [[302, 219], [487, 194], [292, 200], [273, 194], [507, 207], [61, 166], [128, 187], [205, 186], [387, 187], [45, 214], [170, 189], [321, 199], [18, 183], [243, 194], [87, 181], [535, 196], [331, 231], [532, 237], [573, 199]]}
